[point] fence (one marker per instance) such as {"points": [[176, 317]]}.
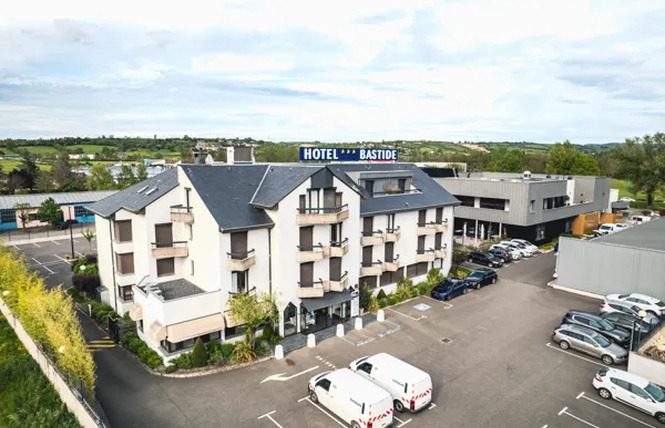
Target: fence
{"points": [[85, 407], [45, 232]]}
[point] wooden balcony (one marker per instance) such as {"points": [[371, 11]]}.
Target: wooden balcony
{"points": [[392, 235], [314, 253], [240, 261], [372, 238], [426, 229], [310, 289], [165, 250], [371, 269], [391, 265], [338, 249], [180, 214], [340, 284], [425, 256], [322, 215]]}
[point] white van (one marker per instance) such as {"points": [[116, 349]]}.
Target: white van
{"points": [[354, 399], [410, 387]]}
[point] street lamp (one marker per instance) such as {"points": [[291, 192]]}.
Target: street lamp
{"points": [[641, 314], [71, 233]]}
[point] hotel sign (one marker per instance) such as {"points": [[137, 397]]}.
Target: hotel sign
{"points": [[318, 154]]}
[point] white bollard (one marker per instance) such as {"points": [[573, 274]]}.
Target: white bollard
{"points": [[340, 330], [380, 315], [359, 323], [279, 352], [311, 341]]}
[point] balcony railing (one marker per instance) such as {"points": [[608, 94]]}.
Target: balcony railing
{"points": [[328, 215], [242, 260], [311, 253], [426, 228], [163, 250], [237, 293], [440, 253], [339, 284], [371, 268], [425, 255], [374, 237], [338, 248], [441, 225], [310, 289], [182, 214], [391, 265], [392, 235]]}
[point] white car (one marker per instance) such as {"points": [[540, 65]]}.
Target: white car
{"points": [[527, 244], [517, 247], [627, 199], [606, 229], [514, 254], [649, 304], [609, 306], [632, 390]]}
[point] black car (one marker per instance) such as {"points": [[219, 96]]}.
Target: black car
{"points": [[65, 224], [480, 277], [499, 253], [486, 259], [616, 334], [628, 321]]}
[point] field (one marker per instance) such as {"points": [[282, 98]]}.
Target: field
{"points": [[27, 399], [88, 149], [10, 164], [640, 197]]}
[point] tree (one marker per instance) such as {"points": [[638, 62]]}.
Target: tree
{"points": [[141, 172], [253, 310], [126, 177], [199, 354], [23, 211], [50, 212], [565, 159], [18, 179], [45, 182], [100, 178], [585, 165], [62, 171], [642, 161], [88, 235], [365, 295], [29, 165]]}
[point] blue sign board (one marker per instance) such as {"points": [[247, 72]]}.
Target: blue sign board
{"points": [[319, 154]]}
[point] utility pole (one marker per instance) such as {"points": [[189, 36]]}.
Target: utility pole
{"points": [[71, 233]]}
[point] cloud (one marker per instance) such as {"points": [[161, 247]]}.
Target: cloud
{"points": [[297, 70]]}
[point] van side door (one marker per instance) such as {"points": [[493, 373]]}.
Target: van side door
{"points": [[365, 370], [323, 392]]}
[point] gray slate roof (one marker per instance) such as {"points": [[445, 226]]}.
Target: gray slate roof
{"points": [[66, 198], [279, 181], [178, 288], [227, 192], [649, 235], [133, 200], [431, 195]]}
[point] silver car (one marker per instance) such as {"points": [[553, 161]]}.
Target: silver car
{"points": [[588, 341], [609, 306]]}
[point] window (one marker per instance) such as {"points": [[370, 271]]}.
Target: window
{"points": [[401, 185], [307, 274], [191, 267], [365, 367], [422, 217], [493, 203], [387, 278], [638, 391], [391, 222], [336, 233], [239, 245], [569, 226], [467, 201], [367, 256], [540, 232], [306, 238], [123, 230], [335, 269], [421, 245], [164, 235], [411, 270], [369, 186], [126, 293], [421, 268], [189, 343], [324, 384], [124, 263], [240, 281], [140, 325], [389, 252], [33, 217], [438, 237], [369, 280], [7, 216], [439, 215], [165, 267], [190, 229], [368, 226], [621, 383], [231, 332], [532, 206], [81, 211], [554, 202]]}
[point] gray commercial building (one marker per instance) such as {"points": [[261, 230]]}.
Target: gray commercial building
{"points": [[629, 261], [535, 207]]}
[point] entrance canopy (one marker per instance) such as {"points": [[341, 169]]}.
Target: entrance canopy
{"points": [[330, 298]]}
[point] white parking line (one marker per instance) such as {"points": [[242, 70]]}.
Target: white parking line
{"points": [[80, 254], [408, 316], [326, 413], [42, 265], [446, 304], [64, 260], [401, 422], [581, 395], [549, 345], [55, 242], [565, 411], [47, 269], [35, 244], [431, 406], [267, 415]]}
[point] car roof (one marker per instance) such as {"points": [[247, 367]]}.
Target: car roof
{"points": [[578, 328], [362, 388], [644, 297], [620, 303], [629, 377], [584, 313]]}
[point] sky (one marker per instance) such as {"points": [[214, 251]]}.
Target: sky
{"points": [[454, 70]]}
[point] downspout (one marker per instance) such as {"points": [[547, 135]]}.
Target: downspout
{"points": [[115, 300], [269, 261]]}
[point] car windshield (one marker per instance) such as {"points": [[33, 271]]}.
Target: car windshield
{"points": [[446, 283], [476, 275], [607, 326], [655, 392], [604, 343], [660, 304], [635, 309]]}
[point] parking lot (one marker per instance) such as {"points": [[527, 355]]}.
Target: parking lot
{"points": [[488, 352]]}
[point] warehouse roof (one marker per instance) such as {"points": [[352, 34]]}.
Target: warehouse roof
{"points": [[649, 235], [66, 198]]}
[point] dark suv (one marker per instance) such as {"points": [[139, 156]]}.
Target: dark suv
{"points": [[485, 259], [616, 334], [499, 253]]}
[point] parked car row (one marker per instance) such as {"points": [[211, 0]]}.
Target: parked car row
{"points": [[609, 228], [369, 392], [503, 252], [453, 287]]}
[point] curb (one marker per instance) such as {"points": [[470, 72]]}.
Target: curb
{"points": [[554, 285], [205, 372]]}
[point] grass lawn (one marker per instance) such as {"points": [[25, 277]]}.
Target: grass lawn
{"points": [[622, 185], [10, 164], [27, 399]]}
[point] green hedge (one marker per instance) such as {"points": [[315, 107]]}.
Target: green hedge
{"points": [[148, 356]]}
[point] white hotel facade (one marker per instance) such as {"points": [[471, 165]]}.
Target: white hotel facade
{"points": [[176, 247]]}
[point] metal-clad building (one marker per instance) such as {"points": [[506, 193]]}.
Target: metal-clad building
{"points": [[529, 206], [628, 261]]}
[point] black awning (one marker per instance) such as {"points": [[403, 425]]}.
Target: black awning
{"points": [[330, 298]]}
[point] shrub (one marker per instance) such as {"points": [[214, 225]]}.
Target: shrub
{"points": [[383, 302], [434, 276], [392, 299], [85, 283], [405, 281], [381, 294], [262, 347], [215, 355], [243, 352], [183, 361], [227, 350], [170, 369], [135, 345], [199, 354], [364, 293], [268, 333], [149, 357], [423, 287], [373, 304], [128, 338], [415, 292], [404, 291]]}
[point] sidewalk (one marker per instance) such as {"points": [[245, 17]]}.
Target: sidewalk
{"points": [[299, 340]]}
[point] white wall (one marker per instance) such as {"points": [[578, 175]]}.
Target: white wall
{"points": [[105, 257], [647, 368]]}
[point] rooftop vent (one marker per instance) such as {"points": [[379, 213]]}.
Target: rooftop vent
{"points": [[142, 189], [151, 191], [526, 175]]}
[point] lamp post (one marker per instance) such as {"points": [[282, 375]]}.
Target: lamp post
{"points": [[71, 233], [641, 314]]}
